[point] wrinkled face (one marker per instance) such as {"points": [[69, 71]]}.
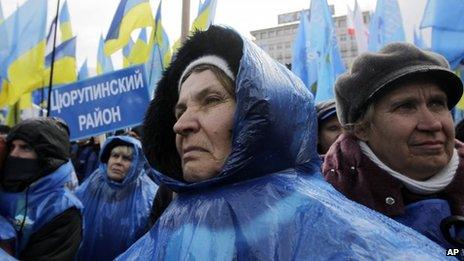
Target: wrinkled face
{"points": [[412, 130], [204, 112], [119, 163], [329, 131], [22, 149]]}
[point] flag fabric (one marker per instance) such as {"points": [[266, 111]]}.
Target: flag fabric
{"points": [[324, 44], [130, 14], [304, 63], [83, 72], [24, 65], [126, 52], [104, 63], [205, 16], [140, 52], [447, 23], [2, 18], [357, 28], [418, 39], [64, 68], [65, 23], [160, 55], [386, 25], [444, 15]]}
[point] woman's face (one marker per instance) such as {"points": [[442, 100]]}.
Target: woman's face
{"points": [[119, 164], [204, 112], [329, 131], [412, 131]]}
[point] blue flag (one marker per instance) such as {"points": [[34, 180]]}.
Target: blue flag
{"points": [[447, 23], [324, 45], [386, 25], [83, 72], [418, 39], [304, 64]]}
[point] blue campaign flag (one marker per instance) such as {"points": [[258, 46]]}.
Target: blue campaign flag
{"points": [[304, 63], [102, 104], [386, 25], [418, 39], [445, 15], [447, 23], [324, 44], [83, 72]]}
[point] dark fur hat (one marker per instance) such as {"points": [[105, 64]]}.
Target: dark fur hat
{"points": [[374, 73], [159, 137]]}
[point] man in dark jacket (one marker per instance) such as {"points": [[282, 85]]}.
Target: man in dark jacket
{"points": [[34, 195]]}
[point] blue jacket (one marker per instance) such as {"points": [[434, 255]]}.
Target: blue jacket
{"points": [[115, 214], [34, 207], [269, 202]]}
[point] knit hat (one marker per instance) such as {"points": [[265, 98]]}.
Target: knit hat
{"points": [[325, 110], [372, 73]]}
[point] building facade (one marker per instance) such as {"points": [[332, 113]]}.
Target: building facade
{"points": [[278, 41]]}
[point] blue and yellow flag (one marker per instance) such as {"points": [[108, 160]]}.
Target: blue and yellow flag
{"points": [[160, 56], [131, 14], [104, 63], [65, 23], [23, 67], [64, 68], [140, 52], [206, 14], [126, 52], [83, 71]]}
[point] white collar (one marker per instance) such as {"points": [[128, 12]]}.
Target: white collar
{"points": [[434, 184]]}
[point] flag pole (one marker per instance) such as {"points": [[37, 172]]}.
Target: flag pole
{"points": [[185, 27], [53, 60]]}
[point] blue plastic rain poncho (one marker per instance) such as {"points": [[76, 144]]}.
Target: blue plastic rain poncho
{"points": [[268, 202], [36, 206], [7, 231], [115, 214]]}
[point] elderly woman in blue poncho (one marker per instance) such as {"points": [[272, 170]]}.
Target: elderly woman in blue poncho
{"points": [[234, 134], [117, 200]]}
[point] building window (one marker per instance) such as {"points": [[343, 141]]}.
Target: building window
{"points": [[279, 32], [342, 23], [279, 47], [271, 33], [271, 47], [263, 35], [288, 45]]}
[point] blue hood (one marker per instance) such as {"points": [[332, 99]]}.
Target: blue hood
{"points": [[115, 214], [275, 124], [269, 202]]}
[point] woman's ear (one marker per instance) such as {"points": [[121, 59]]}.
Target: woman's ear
{"points": [[362, 131]]}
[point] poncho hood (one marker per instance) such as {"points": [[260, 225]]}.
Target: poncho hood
{"points": [[274, 123]]}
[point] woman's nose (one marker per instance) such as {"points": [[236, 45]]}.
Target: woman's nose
{"points": [[187, 123], [429, 121]]}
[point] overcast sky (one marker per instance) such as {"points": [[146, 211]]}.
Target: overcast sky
{"points": [[90, 18]]}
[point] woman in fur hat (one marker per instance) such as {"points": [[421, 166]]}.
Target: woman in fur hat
{"points": [[399, 156], [234, 134]]}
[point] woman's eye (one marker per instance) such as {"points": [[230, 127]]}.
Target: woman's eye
{"points": [[405, 106], [212, 99], [438, 104]]}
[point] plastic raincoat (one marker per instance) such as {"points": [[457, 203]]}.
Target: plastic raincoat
{"points": [[7, 231], [38, 205], [115, 214], [269, 202]]}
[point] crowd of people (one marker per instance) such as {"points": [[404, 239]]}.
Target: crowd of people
{"points": [[235, 161]]}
